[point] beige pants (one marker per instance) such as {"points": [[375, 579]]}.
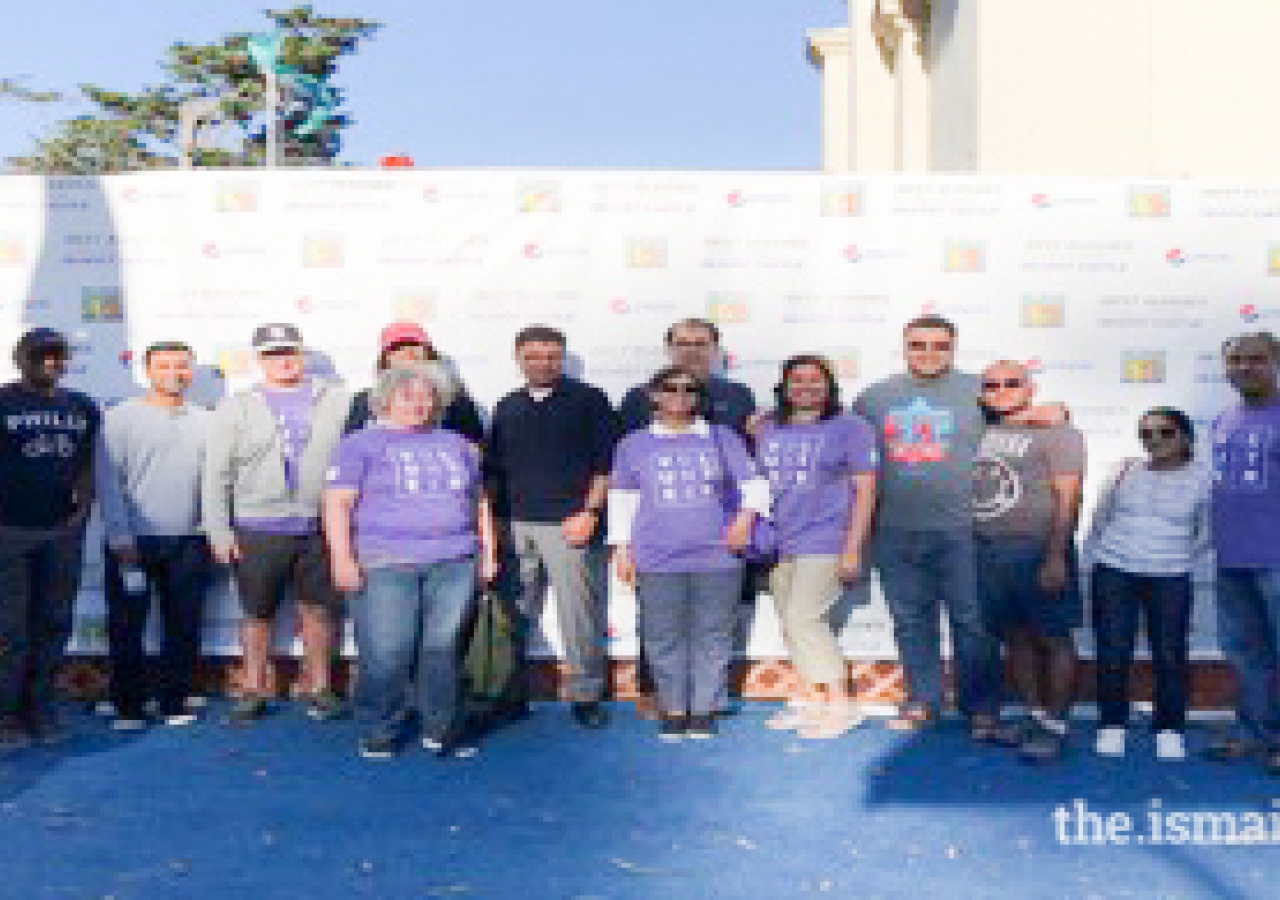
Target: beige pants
{"points": [[804, 588]]}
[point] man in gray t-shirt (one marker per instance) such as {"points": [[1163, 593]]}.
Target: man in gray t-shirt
{"points": [[1026, 495], [930, 425]]}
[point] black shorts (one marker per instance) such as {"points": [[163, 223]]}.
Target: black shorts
{"points": [[270, 562]]}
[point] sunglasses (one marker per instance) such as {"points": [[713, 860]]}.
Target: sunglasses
{"points": [[1166, 432], [996, 385], [680, 388], [936, 346]]}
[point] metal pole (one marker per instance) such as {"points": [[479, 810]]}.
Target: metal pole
{"points": [[273, 103]]}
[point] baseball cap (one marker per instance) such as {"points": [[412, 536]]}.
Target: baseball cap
{"points": [[403, 333], [276, 337], [41, 340]]}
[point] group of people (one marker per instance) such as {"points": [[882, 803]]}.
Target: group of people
{"points": [[962, 491]]}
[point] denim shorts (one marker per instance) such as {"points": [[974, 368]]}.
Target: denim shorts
{"points": [[1010, 594]]}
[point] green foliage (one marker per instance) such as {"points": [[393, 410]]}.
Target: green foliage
{"points": [[140, 130]]}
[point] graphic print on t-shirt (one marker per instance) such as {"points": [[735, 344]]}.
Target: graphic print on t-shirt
{"points": [[792, 462], [918, 432], [685, 477], [997, 486], [426, 473], [1240, 463]]}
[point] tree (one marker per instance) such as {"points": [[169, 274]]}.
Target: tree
{"points": [[141, 130]]}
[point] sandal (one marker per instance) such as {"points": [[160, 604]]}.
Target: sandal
{"points": [[911, 717], [790, 717], [833, 722]]}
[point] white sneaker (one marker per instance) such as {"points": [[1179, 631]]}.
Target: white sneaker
{"points": [[179, 720], [119, 724], [1170, 746], [1110, 741]]}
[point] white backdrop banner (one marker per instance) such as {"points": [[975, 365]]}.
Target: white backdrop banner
{"points": [[1117, 293]]}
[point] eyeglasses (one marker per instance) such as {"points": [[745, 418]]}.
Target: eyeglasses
{"points": [[680, 388], [936, 346], [996, 384], [696, 345], [1149, 433]]}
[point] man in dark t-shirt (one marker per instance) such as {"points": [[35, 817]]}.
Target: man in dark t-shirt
{"points": [[47, 435]]}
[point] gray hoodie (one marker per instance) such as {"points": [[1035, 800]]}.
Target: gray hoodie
{"points": [[244, 460]]}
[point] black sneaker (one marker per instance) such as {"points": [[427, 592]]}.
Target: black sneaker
{"points": [[379, 746], [325, 706], [1229, 747], [47, 727], [14, 734], [671, 729], [701, 728], [246, 711], [999, 733], [593, 714], [1042, 744], [453, 745]]}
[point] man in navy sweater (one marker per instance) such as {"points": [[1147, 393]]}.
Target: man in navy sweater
{"points": [[47, 436], [549, 449]]}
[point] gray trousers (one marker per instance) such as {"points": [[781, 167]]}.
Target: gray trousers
{"points": [[687, 623], [578, 576]]}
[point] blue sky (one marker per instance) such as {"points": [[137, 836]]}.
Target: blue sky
{"points": [[671, 84]]}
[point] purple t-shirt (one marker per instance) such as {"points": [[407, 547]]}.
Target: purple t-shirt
{"points": [[417, 494], [810, 469], [688, 487], [1246, 487], [291, 408]]}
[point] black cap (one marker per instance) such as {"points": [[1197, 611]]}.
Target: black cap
{"points": [[277, 337], [38, 341]]}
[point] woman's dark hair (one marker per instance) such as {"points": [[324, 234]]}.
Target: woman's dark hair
{"points": [[1181, 421], [830, 409], [662, 376], [431, 355]]}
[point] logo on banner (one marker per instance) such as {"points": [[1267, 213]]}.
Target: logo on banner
{"points": [[1273, 259], [233, 362], [1043, 310], [841, 200], [12, 252], [237, 197], [965, 256], [540, 197], [418, 306], [647, 253], [101, 304], [852, 254], [1175, 257], [845, 362], [322, 252], [1150, 203], [1144, 367], [729, 307]]}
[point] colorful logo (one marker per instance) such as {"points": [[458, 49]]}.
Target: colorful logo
{"points": [[101, 305], [965, 256], [647, 253], [1041, 201], [126, 358], [1273, 259], [321, 252], [1043, 311], [1175, 257], [540, 197], [531, 251], [845, 362], [1150, 203], [843, 200], [619, 306], [852, 254], [728, 307], [233, 362], [1144, 367], [919, 433], [1249, 312], [237, 197], [12, 252], [415, 307]]}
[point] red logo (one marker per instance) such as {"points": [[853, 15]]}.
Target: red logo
{"points": [[619, 305], [1040, 201], [1034, 364], [532, 251], [735, 199], [126, 357], [210, 249], [852, 254], [305, 304]]}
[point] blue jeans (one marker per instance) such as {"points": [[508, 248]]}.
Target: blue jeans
{"points": [[919, 572], [178, 571], [1117, 598], [1249, 632], [687, 621], [409, 627]]}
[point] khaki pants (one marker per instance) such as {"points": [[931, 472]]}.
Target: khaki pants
{"points": [[804, 589]]}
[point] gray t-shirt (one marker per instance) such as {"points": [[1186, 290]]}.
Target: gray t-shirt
{"points": [[1013, 495], [929, 431]]}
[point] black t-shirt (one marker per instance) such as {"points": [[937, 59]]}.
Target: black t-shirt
{"points": [[46, 455]]}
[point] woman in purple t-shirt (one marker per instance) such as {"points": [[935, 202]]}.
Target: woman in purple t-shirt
{"points": [[682, 501], [409, 532], [821, 465]]}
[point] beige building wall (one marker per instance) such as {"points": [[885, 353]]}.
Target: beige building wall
{"points": [[1169, 88]]}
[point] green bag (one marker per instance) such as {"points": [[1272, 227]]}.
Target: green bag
{"points": [[491, 665]]}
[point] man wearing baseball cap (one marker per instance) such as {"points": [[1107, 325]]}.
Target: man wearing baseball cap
{"points": [[404, 344], [267, 452], [47, 436]]}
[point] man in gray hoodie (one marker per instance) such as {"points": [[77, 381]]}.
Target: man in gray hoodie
{"points": [[265, 461]]}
